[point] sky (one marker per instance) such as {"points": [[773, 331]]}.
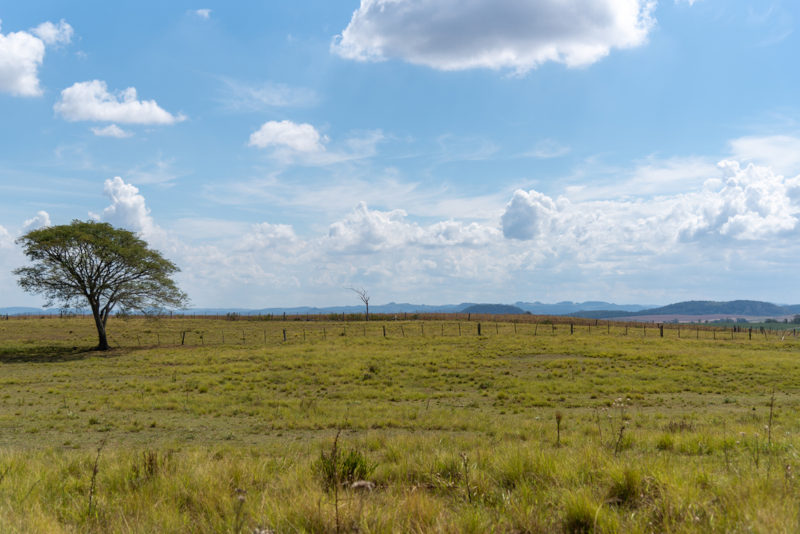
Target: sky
{"points": [[428, 151]]}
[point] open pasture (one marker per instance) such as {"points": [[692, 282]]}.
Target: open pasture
{"points": [[208, 425]]}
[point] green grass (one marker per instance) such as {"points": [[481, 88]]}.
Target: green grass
{"points": [[459, 432]]}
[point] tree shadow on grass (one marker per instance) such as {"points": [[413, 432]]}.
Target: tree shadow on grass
{"points": [[49, 354]]}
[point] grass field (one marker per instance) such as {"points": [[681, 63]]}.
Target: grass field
{"points": [[525, 428]]}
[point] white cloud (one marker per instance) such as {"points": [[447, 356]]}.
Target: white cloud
{"points": [[6, 241], [287, 134], [54, 34], [781, 152], [40, 220], [91, 101], [527, 214], [495, 34], [203, 13], [21, 54], [367, 231], [747, 204], [112, 130], [547, 149], [128, 208], [245, 97], [157, 171], [265, 235]]}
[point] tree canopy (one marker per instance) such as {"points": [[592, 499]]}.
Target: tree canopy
{"points": [[93, 263]]}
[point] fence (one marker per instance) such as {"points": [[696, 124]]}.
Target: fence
{"points": [[187, 330]]}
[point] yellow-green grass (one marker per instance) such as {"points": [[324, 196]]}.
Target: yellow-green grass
{"points": [[658, 434]]}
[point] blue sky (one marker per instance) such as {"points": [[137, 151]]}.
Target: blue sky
{"points": [[430, 151]]}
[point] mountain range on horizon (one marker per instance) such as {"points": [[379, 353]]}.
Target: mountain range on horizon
{"points": [[588, 309]]}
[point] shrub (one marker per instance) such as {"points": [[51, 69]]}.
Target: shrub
{"points": [[341, 467]]}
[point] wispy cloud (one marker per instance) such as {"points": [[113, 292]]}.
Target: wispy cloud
{"points": [[547, 149], [112, 130], [236, 95]]}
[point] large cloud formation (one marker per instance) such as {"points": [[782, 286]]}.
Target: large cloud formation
{"points": [[514, 34], [91, 101], [742, 204], [742, 217], [22, 53]]}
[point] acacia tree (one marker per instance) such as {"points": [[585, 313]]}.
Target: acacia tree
{"points": [[93, 263]]}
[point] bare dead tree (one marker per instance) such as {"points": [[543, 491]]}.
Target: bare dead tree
{"points": [[362, 294]]}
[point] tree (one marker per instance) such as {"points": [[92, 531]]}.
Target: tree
{"points": [[94, 263], [362, 294]]}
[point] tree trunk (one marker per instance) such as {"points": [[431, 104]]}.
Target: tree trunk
{"points": [[367, 314], [101, 330]]}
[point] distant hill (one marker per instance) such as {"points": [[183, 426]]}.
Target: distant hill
{"points": [[493, 309], [568, 307], [589, 309], [733, 308]]}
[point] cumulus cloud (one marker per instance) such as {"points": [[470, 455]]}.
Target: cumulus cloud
{"points": [[266, 236], [22, 53], [91, 101], [496, 34], [287, 134], [112, 130], [527, 214], [54, 34], [366, 231], [128, 208], [40, 220], [747, 204]]}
